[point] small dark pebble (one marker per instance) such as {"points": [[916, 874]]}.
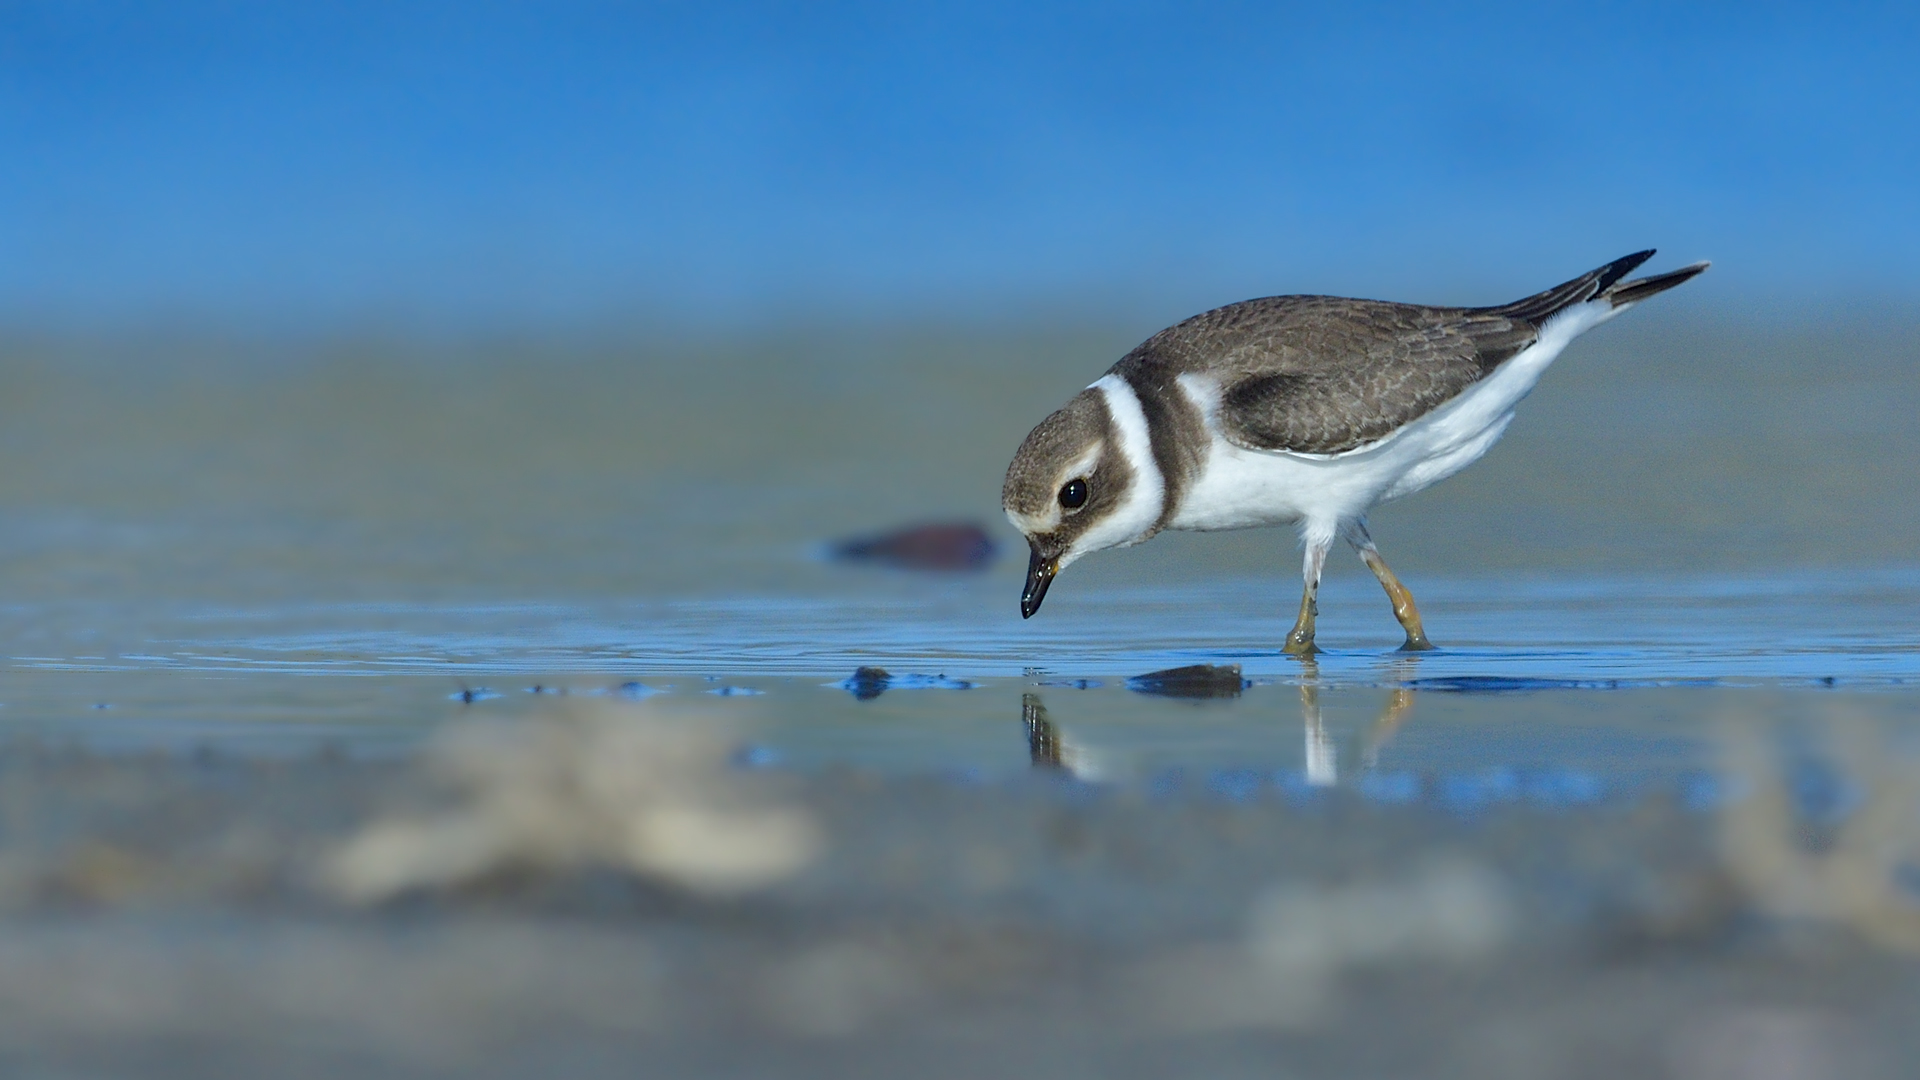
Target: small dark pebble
{"points": [[923, 547], [1192, 681], [867, 683]]}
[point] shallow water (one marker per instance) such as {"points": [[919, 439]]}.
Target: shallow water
{"points": [[351, 543], [371, 676], [1666, 751]]}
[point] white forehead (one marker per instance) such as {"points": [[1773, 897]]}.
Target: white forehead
{"points": [[1082, 465]]}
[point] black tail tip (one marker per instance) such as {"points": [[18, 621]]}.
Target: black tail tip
{"points": [[1620, 268], [1639, 289]]}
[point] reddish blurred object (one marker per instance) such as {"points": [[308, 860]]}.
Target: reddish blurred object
{"points": [[923, 547]]}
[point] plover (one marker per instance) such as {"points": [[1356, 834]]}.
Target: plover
{"points": [[1301, 410]]}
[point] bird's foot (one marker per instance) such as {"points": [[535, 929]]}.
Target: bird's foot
{"points": [[1417, 643], [1300, 645]]}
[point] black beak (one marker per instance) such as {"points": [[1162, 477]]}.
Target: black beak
{"points": [[1040, 571]]}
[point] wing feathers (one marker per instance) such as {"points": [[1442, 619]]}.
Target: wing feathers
{"points": [[1322, 374]]}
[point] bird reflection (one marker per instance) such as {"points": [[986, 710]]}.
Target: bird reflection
{"points": [[1398, 674], [1048, 749], [1323, 762], [1043, 739], [1322, 757]]}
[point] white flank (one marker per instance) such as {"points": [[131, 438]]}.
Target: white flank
{"points": [[1133, 520], [1241, 488]]}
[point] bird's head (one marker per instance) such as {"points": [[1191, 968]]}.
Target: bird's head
{"points": [[1083, 481]]}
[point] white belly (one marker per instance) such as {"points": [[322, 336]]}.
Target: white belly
{"points": [[1241, 488]]}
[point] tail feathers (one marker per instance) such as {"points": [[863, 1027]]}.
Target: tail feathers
{"points": [[1542, 306], [1632, 292], [1604, 282]]}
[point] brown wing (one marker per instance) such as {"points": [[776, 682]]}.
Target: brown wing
{"points": [[1335, 379], [1324, 374]]}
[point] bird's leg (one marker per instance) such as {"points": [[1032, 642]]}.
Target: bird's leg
{"points": [[1403, 606], [1300, 638]]}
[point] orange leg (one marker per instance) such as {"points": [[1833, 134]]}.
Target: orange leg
{"points": [[1300, 638], [1404, 608]]}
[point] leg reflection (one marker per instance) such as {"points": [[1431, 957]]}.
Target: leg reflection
{"points": [[1323, 767], [1399, 706], [1322, 756]]}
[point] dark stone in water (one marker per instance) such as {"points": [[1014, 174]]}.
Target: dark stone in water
{"points": [[923, 547], [1192, 681], [867, 683]]}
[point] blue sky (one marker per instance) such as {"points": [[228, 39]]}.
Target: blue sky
{"points": [[722, 163]]}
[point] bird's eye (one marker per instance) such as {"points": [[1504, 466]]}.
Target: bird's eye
{"points": [[1074, 495]]}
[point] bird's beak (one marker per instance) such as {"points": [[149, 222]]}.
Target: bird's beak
{"points": [[1040, 571]]}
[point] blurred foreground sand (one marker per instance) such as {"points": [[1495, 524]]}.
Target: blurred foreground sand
{"points": [[602, 890]]}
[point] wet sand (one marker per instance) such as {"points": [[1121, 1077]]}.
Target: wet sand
{"points": [[593, 887]]}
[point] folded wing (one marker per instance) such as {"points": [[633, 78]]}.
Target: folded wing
{"points": [[1324, 375]]}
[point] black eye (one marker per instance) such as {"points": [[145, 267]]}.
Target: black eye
{"points": [[1074, 495]]}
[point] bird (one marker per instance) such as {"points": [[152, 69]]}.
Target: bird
{"points": [[1294, 410]]}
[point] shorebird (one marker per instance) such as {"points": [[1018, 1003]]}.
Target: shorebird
{"points": [[1294, 410]]}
